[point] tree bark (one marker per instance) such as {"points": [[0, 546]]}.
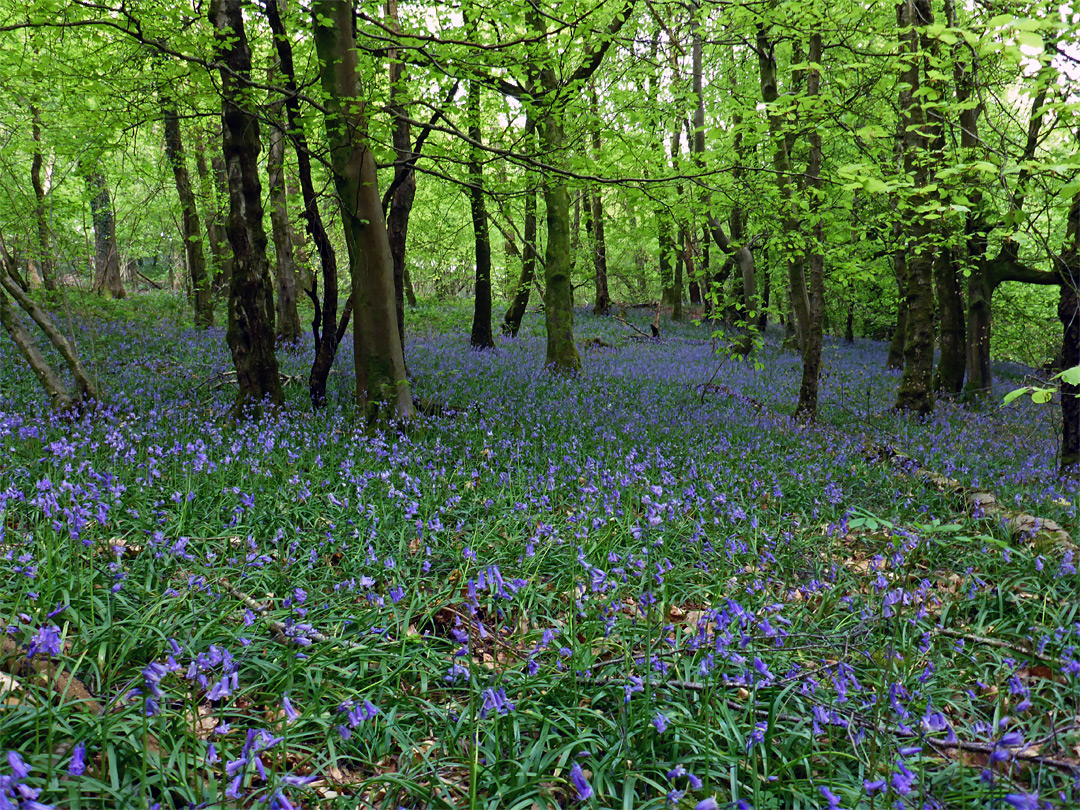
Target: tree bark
{"points": [[480, 337], [401, 202], [1069, 315], [916, 391], [381, 382], [250, 333], [220, 268], [782, 139], [516, 311], [562, 355], [325, 327], [190, 227], [952, 335], [48, 378], [288, 319], [44, 249], [107, 278], [602, 304], [85, 387], [807, 406]]}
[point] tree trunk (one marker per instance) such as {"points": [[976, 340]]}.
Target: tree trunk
{"points": [[381, 380], [895, 358], [808, 390], [48, 378], [44, 249], [666, 244], [952, 338], [782, 140], [190, 226], [220, 255], [602, 305], [325, 328], [106, 256], [401, 202], [86, 389], [288, 319], [480, 337], [1069, 315], [520, 301], [849, 326], [916, 391], [250, 333], [562, 355]]}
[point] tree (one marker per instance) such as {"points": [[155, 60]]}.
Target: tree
{"points": [[106, 255], [481, 337], [250, 332], [190, 227], [380, 365]]}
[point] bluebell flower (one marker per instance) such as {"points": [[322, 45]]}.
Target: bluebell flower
{"points": [[581, 784]]}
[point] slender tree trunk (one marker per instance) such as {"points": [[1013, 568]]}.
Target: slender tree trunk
{"points": [[666, 243], [106, 256], [849, 326], [250, 333], [223, 280], [381, 379], [190, 226], [800, 302], [86, 389], [325, 327], [916, 391], [808, 390], [401, 202], [602, 305], [288, 319], [1069, 315], [481, 337], [44, 249], [216, 237], [48, 378], [520, 301]]}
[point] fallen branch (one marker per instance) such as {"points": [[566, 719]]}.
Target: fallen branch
{"points": [[1005, 645]]}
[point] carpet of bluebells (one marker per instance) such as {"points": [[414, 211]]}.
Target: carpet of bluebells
{"points": [[622, 589]]}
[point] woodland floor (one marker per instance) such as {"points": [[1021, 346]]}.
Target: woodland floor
{"points": [[624, 589]]}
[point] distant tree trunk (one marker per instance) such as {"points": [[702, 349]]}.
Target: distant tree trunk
{"points": [[288, 319], [602, 305], [666, 244], [808, 390], [216, 237], [190, 226], [520, 300], [44, 249], [223, 280], [106, 256], [250, 333], [766, 293], [381, 380], [480, 337], [849, 327]]}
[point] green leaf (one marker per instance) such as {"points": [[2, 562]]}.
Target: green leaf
{"points": [[1041, 396], [1013, 395], [1070, 376]]}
